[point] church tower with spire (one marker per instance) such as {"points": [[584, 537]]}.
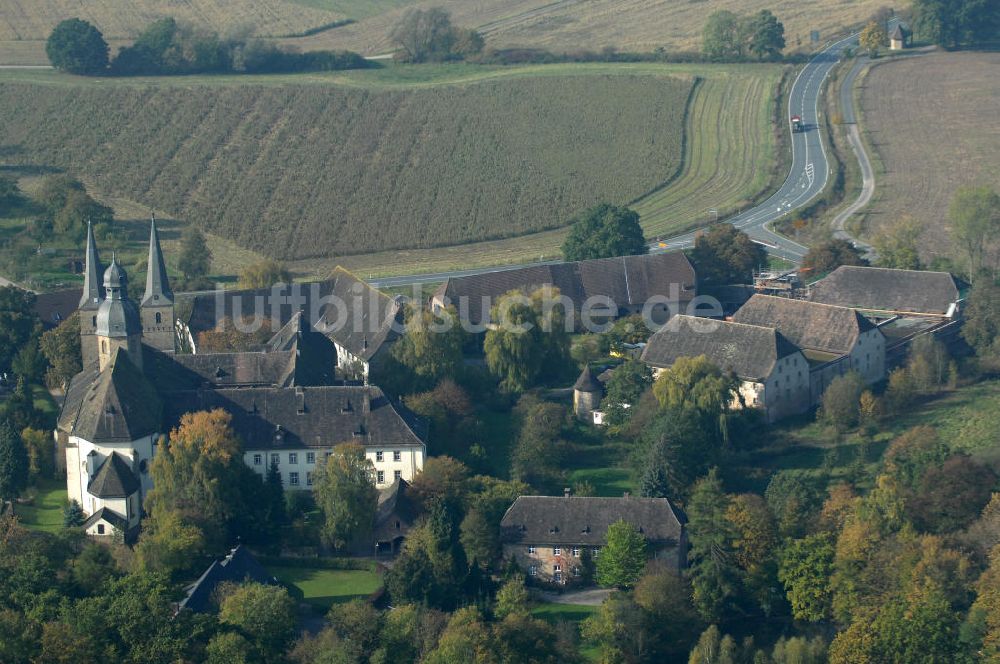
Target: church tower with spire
{"points": [[93, 294], [157, 306], [118, 325]]}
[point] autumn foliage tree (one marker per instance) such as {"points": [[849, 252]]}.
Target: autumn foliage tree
{"points": [[344, 488]]}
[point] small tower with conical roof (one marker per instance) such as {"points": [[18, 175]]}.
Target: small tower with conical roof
{"points": [[118, 324], [587, 394], [157, 306], [93, 294]]}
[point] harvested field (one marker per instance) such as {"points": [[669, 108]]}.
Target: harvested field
{"points": [[574, 25], [33, 20], [310, 170], [933, 124], [716, 167]]}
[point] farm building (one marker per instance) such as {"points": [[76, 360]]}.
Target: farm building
{"points": [[833, 339], [547, 536], [899, 37], [628, 283], [886, 292], [773, 372]]}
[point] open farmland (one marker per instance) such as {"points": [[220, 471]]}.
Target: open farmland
{"points": [[322, 170], [33, 20], [933, 124], [574, 25]]}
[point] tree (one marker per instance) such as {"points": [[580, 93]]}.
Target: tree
{"points": [[431, 348], [714, 648], [694, 382], [195, 259], [168, 544], [841, 401], [805, 568], [682, 447], [828, 256], [480, 538], [765, 34], [77, 47], [13, 463], [928, 363], [229, 648], [428, 36], [754, 543], [725, 255], [61, 347], [93, 568], [539, 452], [529, 339], [898, 244], [982, 319], [18, 323], [714, 580], [604, 231], [73, 515], [70, 221], [984, 616], [975, 218], [345, 492], [951, 495], [623, 390], [952, 23], [623, 557], [263, 274], [722, 36], [266, 614], [512, 598], [40, 450], [466, 639], [873, 37], [448, 408], [913, 452], [10, 194]]}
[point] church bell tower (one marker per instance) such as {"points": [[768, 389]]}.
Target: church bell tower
{"points": [[157, 306], [118, 324]]}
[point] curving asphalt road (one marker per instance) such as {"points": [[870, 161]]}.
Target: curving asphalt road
{"points": [[807, 177]]}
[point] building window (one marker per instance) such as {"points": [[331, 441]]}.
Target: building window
{"points": [[378, 456], [380, 475], [597, 551], [397, 474], [275, 459], [293, 479], [576, 552], [159, 318], [533, 570], [100, 529], [309, 479], [310, 457], [258, 459], [397, 455], [557, 551], [293, 458], [557, 573], [531, 550], [576, 571]]}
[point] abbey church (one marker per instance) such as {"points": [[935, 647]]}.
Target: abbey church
{"points": [[290, 401]]}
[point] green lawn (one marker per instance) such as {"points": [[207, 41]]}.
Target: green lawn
{"points": [[573, 613], [325, 587], [46, 511]]}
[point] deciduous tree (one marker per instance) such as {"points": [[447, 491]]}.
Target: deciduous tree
{"points": [[975, 218], [722, 35], [828, 256], [726, 255], [873, 37], [604, 231], [266, 614], [61, 347], [344, 488], [805, 569], [13, 463], [77, 47], [694, 382], [623, 557], [264, 274]]}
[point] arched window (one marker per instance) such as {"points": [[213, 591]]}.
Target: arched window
{"points": [[159, 318], [93, 321]]}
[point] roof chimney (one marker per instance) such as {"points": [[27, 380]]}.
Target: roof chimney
{"points": [[626, 494], [566, 492]]}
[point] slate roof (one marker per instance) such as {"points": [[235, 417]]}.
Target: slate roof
{"points": [[157, 285], [361, 323], [889, 290], [585, 520], [275, 418], [627, 280], [239, 566], [232, 370], [115, 405], [114, 479], [749, 351], [114, 518], [809, 325], [394, 504], [587, 382], [898, 32], [55, 307]]}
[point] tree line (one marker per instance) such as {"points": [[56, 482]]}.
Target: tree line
{"points": [[166, 47]]}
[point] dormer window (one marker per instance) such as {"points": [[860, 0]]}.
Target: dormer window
{"points": [[159, 318]]}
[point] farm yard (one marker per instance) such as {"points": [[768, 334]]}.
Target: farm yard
{"points": [[300, 171], [926, 150]]}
